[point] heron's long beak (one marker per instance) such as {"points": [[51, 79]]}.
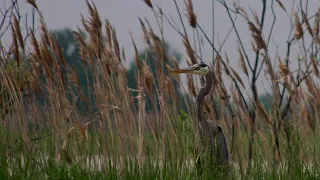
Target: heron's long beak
{"points": [[191, 70]]}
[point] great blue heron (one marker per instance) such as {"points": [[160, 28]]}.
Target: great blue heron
{"points": [[211, 135]]}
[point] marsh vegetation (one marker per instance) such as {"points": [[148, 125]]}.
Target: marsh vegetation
{"points": [[86, 119]]}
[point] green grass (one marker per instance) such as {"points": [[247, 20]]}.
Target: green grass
{"points": [[51, 170], [38, 161]]}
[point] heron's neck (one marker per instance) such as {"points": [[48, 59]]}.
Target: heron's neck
{"points": [[205, 90]]}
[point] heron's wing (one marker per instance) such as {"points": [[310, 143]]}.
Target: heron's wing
{"points": [[221, 143], [213, 125]]}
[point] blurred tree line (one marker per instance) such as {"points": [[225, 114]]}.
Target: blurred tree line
{"points": [[71, 52]]}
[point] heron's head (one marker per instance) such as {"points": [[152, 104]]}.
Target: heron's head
{"points": [[200, 69]]}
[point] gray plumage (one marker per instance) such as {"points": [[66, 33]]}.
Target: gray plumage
{"points": [[211, 135]]}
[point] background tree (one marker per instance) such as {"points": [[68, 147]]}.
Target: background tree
{"points": [[151, 58], [71, 52]]}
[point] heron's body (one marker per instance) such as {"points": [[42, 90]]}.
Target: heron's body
{"points": [[212, 137]]}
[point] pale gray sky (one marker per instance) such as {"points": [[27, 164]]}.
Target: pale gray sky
{"points": [[123, 14]]}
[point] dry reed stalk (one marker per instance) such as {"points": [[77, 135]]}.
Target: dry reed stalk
{"points": [[175, 66], [141, 122], [158, 48], [11, 103], [84, 49], [311, 86], [262, 111], [242, 63], [170, 88], [318, 40], [306, 21], [104, 116], [124, 103], [15, 47], [145, 32], [74, 78], [295, 95], [223, 91], [47, 58], [36, 48], [237, 134], [242, 10], [248, 121], [116, 46], [52, 41], [237, 76], [312, 113], [191, 86], [148, 81], [256, 19], [223, 107], [218, 70], [191, 15], [298, 30], [305, 114], [108, 32], [316, 24], [18, 33], [281, 5], [94, 29], [288, 86], [270, 70], [82, 131], [44, 32], [283, 69], [123, 82], [227, 60], [257, 36], [33, 3], [149, 3], [189, 50], [315, 66], [84, 23], [124, 123], [35, 75], [137, 57], [108, 55]]}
